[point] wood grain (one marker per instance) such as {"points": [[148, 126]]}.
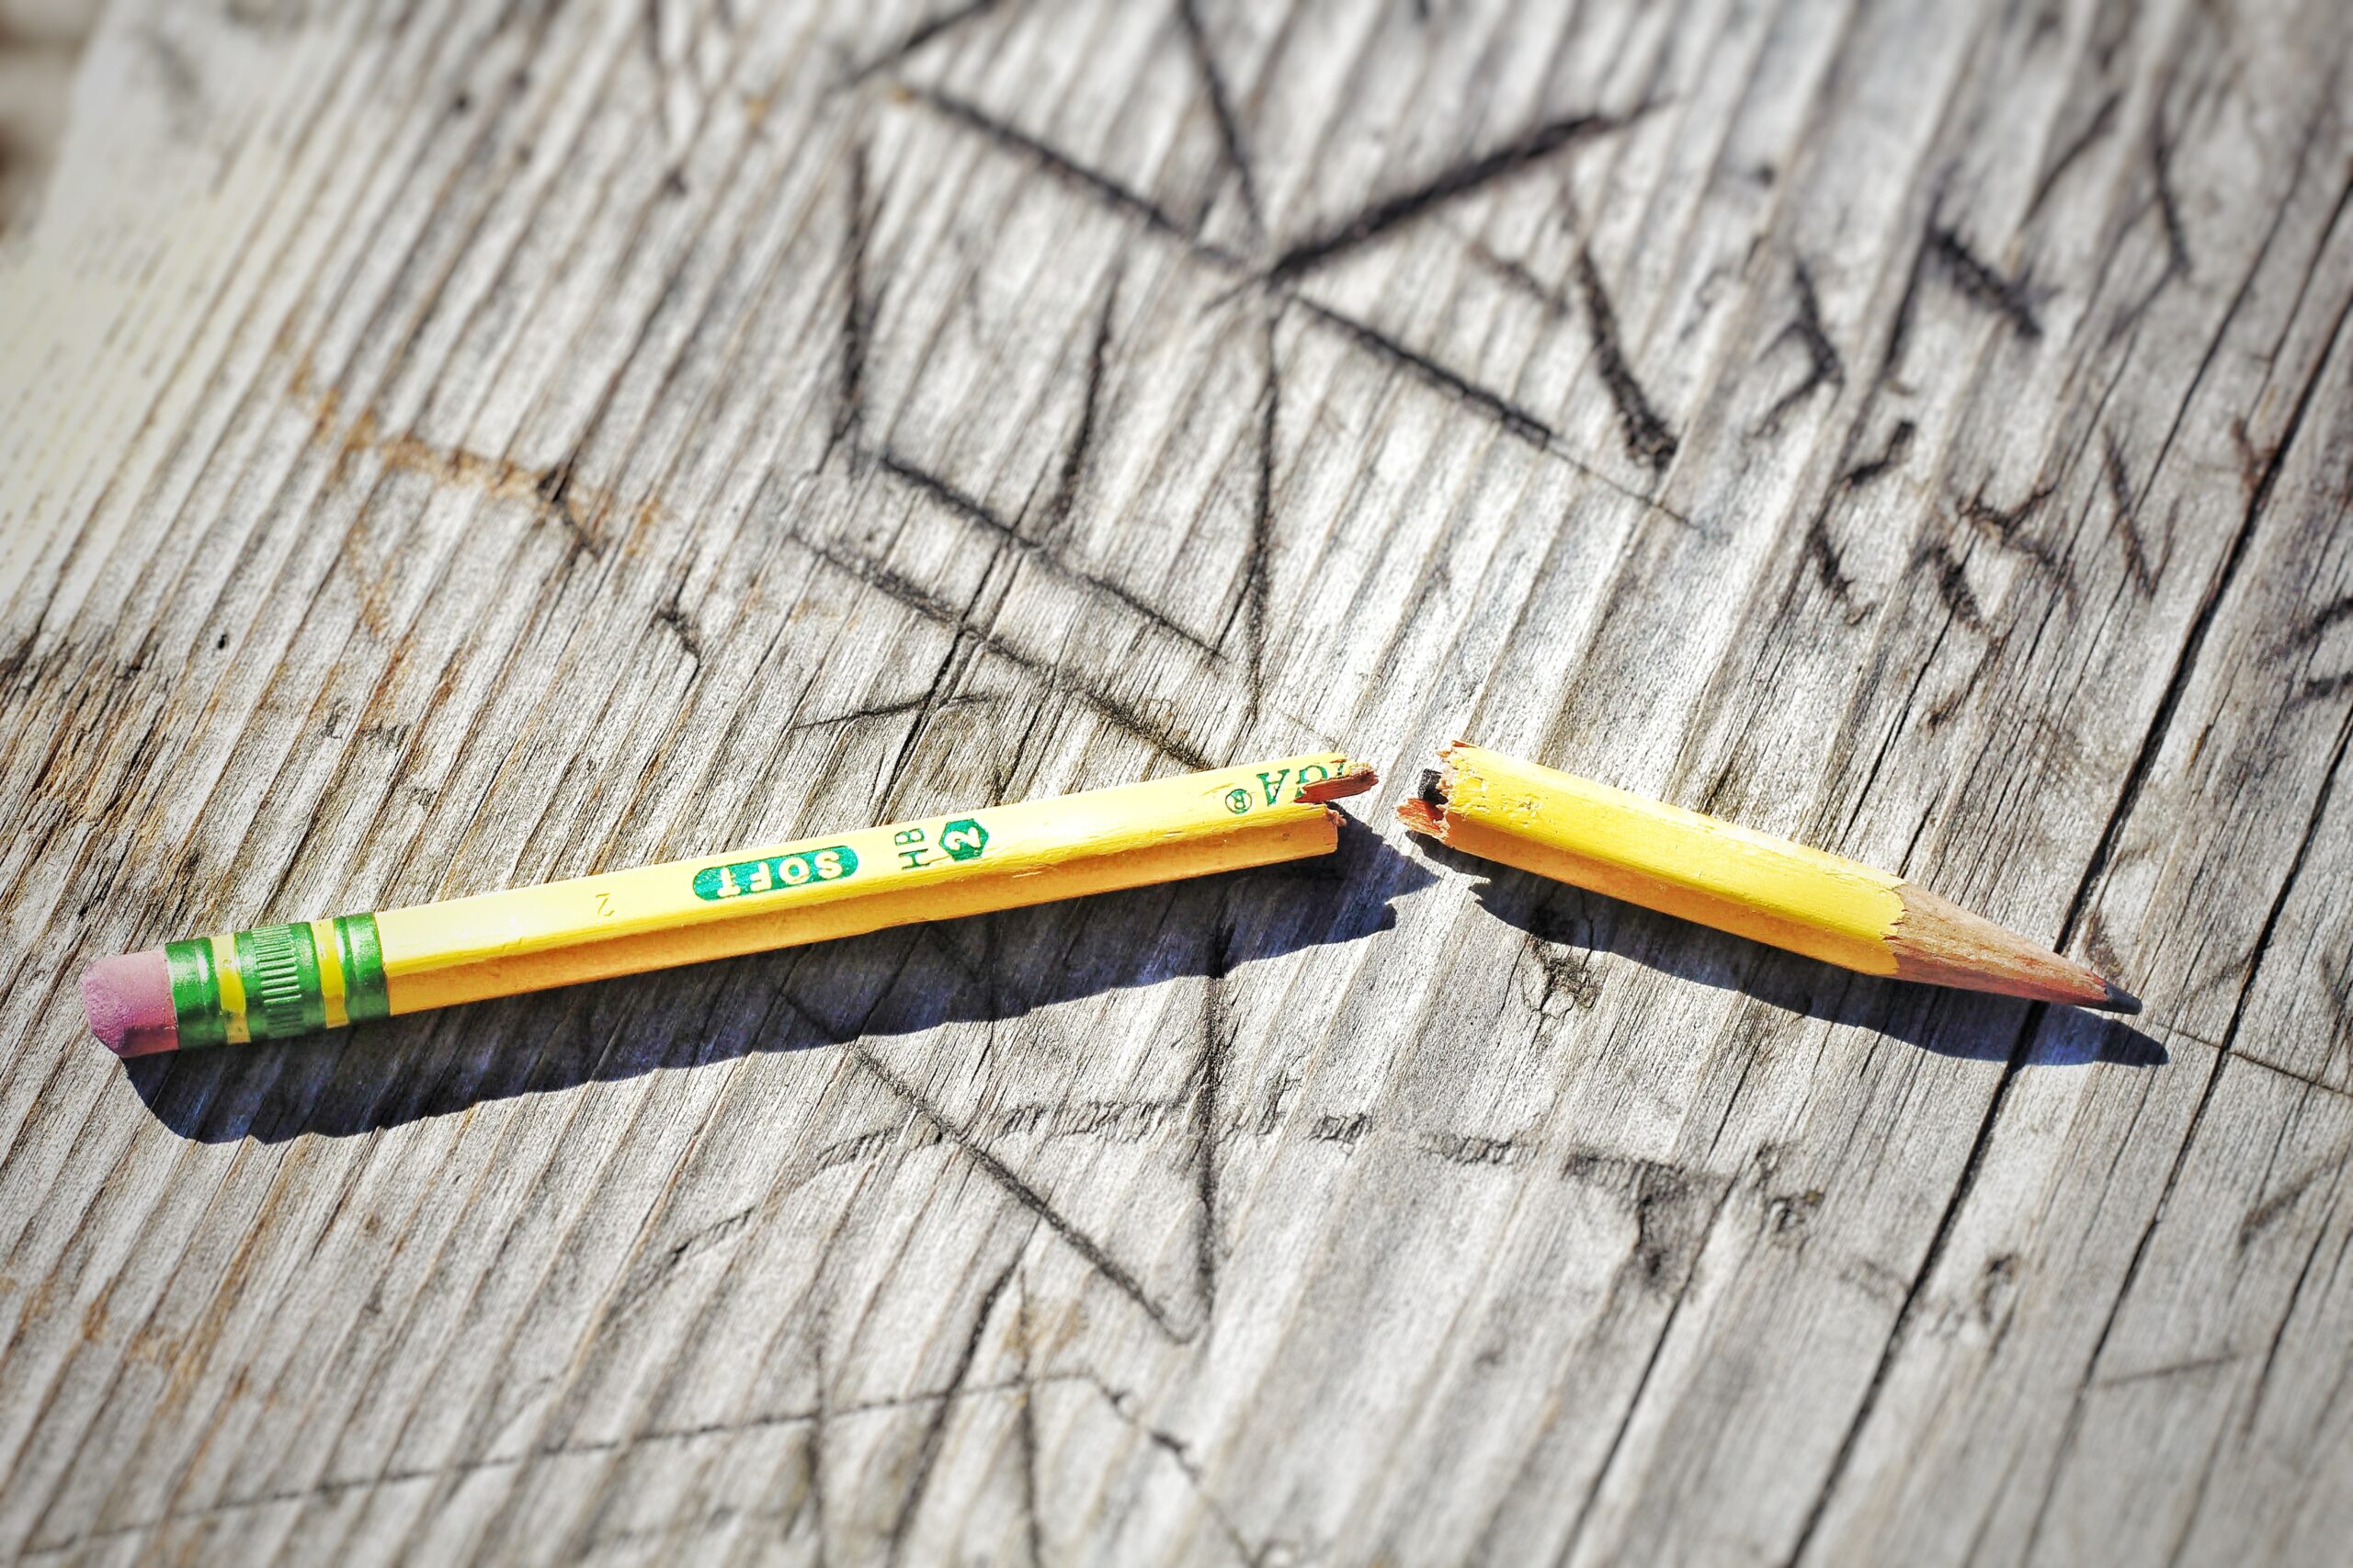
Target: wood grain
{"points": [[444, 445]]}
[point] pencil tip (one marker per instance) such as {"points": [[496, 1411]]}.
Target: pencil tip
{"points": [[2119, 1000]]}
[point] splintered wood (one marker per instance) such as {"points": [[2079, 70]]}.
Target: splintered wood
{"points": [[450, 447]]}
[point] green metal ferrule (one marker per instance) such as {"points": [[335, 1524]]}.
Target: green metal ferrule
{"points": [[362, 955], [196, 995], [275, 982]]}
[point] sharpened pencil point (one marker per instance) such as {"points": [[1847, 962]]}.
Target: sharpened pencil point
{"points": [[2119, 1000]]}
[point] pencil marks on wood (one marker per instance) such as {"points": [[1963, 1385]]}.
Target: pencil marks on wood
{"points": [[1980, 284], [1364, 227], [451, 449]]}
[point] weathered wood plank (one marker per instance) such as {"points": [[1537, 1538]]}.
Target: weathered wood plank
{"points": [[449, 446], [2095, 1199]]}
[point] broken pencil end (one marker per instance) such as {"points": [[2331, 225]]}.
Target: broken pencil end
{"points": [[1353, 780], [1418, 815], [1425, 810]]}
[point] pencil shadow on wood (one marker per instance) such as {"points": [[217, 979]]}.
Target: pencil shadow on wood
{"points": [[1564, 920], [992, 969]]}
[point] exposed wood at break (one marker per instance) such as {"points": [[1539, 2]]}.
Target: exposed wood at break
{"points": [[452, 445]]}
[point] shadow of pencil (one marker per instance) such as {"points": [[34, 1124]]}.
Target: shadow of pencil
{"points": [[1972, 1025], [991, 968]]}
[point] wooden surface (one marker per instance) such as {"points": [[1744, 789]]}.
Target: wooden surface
{"points": [[40, 42], [448, 445]]}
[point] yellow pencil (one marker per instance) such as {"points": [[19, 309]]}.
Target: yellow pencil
{"points": [[280, 981], [1749, 883]]}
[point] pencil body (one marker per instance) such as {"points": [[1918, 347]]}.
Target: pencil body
{"points": [[289, 979], [1735, 879]]}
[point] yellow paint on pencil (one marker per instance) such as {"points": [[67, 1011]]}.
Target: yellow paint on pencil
{"points": [[593, 927], [275, 982], [331, 981], [1670, 859], [233, 988]]}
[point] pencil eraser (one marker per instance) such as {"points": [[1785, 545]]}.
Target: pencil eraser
{"points": [[129, 1002]]}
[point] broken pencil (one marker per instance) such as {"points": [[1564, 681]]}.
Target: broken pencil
{"points": [[280, 981], [1749, 883]]}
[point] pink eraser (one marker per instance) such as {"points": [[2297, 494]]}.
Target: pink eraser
{"points": [[129, 1001]]}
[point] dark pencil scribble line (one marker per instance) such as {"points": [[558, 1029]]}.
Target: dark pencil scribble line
{"points": [[935, 1431], [2008, 524], [1228, 130], [973, 511], [858, 307], [1028, 1196], [2137, 566], [1824, 368], [1082, 441], [332, 1487], [1091, 182], [1647, 438], [1370, 223], [1889, 458], [1122, 715], [1515, 419], [2103, 121], [920, 35], [1983, 285], [1953, 584]]}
